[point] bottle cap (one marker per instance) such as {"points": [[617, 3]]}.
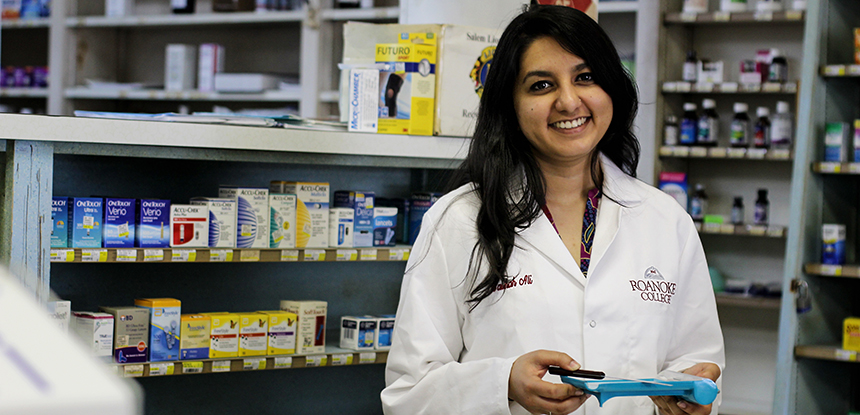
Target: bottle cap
{"points": [[762, 192], [782, 107], [741, 107], [700, 186], [689, 106], [691, 55], [762, 112], [774, 52], [739, 200], [709, 103], [672, 119]]}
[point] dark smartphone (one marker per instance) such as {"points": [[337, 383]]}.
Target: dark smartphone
{"points": [[587, 374]]}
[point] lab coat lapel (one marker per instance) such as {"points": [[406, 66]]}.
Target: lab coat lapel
{"points": [[542, 236], [608, 220]]}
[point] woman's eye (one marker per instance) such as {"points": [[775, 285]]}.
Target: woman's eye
{"points": [[585, 77], [540, 85]]}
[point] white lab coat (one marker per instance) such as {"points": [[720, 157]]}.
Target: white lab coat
{"points": [[447, 360]]}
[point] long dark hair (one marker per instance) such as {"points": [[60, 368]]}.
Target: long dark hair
{"points": [[500, 162]]}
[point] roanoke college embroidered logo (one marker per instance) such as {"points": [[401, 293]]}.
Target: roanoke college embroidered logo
{"points": [[653, 287]]}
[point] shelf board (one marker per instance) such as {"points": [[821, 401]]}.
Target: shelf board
{"points": [[24, 92], [199, 255], [847, 271], [162, 95], [823, 352], [791, 16], [42, 22], [832, 167], [329, 96], [375, 13], [202, 19], [772, 231], [333, 356], [841, 71], [620, 6], [738, 300], [724, 153], [683, 87]]}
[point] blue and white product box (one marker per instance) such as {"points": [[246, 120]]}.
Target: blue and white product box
{"points": [[363, 100], [282, 220], [189, 226], [675, 184], [60, 222], [384, 331], [85, 222], [401, 232], [165, 328], [153, 223], [833, 244], [341, 227], [384, 226], [418, 205], [362, 204], [222, 220], [312, 205], [836, 141], [252, 215], [118, 228], [358, 332]]}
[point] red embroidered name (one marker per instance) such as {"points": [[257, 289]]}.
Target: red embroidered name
{"points": [[524, 280]]}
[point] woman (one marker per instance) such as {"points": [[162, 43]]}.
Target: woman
{"points": [[551, 252]]}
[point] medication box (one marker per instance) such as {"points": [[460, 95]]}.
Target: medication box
{"points": [[357, 333], [164, 327], [407, 88], [310, 337], [836, 136], [252, 215], [363, 100], [210, 62], [60, 311], [118, 223], [85, 222], [833, 244], [96, 330], [130, 333], [384, 226], [675, 185], [362, 205], [59, 222], [222, 221], [282, 223], [153, 223], [401, 231], [312, 205], [224, 336], [384, 331], [180, 67], [341, 227], [851, 334], [419, 204], [856, 141], [196, 329], [253, 331], [189, 226], [282, 332]]}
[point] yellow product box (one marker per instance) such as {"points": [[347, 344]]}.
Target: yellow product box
{"points": [[407, 87], [851, 334], [282, 331], [196, 329], [857, 45], [224, 335], [253, 328]]}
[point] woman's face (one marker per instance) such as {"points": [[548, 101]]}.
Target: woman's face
{"points": [[561, 110]]}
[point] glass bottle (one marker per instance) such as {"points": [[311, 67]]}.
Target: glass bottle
{"points": [[738, 211], [762, 207], [740, 126], [709, 124], [762, 128], [690, 70], [182, 6], [780, 127], [689, 125], [699, 203], [778, 68], [670, 131]]}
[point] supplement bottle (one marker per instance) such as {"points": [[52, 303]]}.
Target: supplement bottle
{"points": [[778, 69], [709, 124], [690, 70], [699, 203], [738, 211], [670, 131], [780, 127], [740, 126], [762, 128], [762, 207], [689, 125]]}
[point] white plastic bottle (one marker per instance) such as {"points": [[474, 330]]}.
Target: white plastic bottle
{"points": [[733, 5], [695, 6], [780, 127]]}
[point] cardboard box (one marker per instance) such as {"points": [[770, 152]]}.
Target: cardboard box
{"points": [[282, 332], [851, 334], [312, 205], [153, 223], [164, 327], [363, 100], [341, 224], [180, 67], [384, 331], [119, 224], [384, 226], [419, 204], [96, 330], [196, 329], [362, 204], [130, 333], [189, 226], [282, 223], [59, 222], [85, 222], [60, 311], [358, 332], [311, 326], [252, 215], [253, 331], [407, 88], [224, 335], [222, 220], [210, 62]]}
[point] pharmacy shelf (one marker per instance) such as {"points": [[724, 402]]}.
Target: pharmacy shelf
{"points": [[42, 22], [375, 13], [162, 95], [761, 154], [826, 270], [24, 92], [198, 255], [840, 71], [832, 167], [746, 301], [763, 231], [620, 6], [333, 356], [202, 19], [825, 353], [791, 16], [767, 88]]}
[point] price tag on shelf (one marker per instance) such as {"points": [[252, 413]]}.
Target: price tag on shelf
{"points": [[830, 167], [221, 366], [314, 255], [853, 70], [833, 70], [126, 255], [698, 152], [729, 87], [132, 371], [727, 228], [854, 168], [184, 255], [756, 230], [846, 355], [254, 363], [192, 367], [704, 87], [789, 88], [722, 16], [221, 255], [249, 255], [780, 154], [681, 151], [717, 152], [289, 255], [347, 254], [153, 255], [368, 255], [398, 254], [736, 153], [670, 86], [667, 151], [793, 15], [771, 87], [316, 360], [830, 270], [62, 255], [683, 86], [366, 358], [688, 17], [763, 16], [160, 369], [750, 87], [776, 231], [712, 227], [756, 153], [283, 362], [94, 255], [341, 359]]}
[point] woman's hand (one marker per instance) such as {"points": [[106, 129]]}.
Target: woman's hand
{"points": [[671, 405], [527, 387]]}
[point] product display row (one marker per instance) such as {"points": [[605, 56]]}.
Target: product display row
{"points": [[704, 130]]}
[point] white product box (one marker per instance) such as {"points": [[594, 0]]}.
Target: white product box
{"points": [[246, 82], [341, 226], [363, 100], [710, 72], [312, 206], [310, 337], [189, 226], [96, 330], [222, 220], [384, 226], [116, 8], [384, 331], [252, 215], [60, 311], [282, 223], [180, 67], [358, 332], [211, 62]]}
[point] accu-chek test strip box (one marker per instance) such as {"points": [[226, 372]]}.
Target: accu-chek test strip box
{"points": [[362, 204], [164, 327], [282, 220], [312, 205], [341, 227], [59, 222], [85, 222], [96, 330], [196, 329], [119, 222], [384, 226], [189, 226], [311, 328], [282, 331], [357, 332], [130, 333], [153, 223], [222, 220], [252, 215]]}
